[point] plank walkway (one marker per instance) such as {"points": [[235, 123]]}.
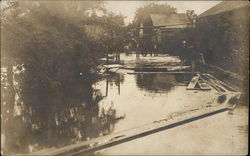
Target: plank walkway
{"points": [[174, 120]]}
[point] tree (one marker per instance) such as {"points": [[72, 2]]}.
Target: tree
{"points": [[154, 8], [58, 59], [191, 16]]}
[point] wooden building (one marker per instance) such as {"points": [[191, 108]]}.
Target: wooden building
{"points": [[222, 34], [162, 32]]}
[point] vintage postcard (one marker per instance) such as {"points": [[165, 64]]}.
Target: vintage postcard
{"points": [[124, 77]]}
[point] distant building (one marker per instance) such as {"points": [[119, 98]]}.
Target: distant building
{"points": [[223, 35], [158, 31]]}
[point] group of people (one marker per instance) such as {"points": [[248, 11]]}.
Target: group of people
{"points": [[189, 54]]}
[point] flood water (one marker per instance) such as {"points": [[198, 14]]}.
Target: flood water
{"points": [[114, 103], [143, 98], [117, 102]]}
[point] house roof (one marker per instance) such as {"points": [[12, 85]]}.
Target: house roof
{"points": [[170, 21], [224, 7]]}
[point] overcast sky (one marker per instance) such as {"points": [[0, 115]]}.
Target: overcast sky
{"points": [[128, 8]]}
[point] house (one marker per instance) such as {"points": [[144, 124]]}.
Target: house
{"points": [[222, 35], [158, 31]]}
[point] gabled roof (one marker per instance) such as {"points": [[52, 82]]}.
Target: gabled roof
{"points": [[224, 7], [173, 20]]}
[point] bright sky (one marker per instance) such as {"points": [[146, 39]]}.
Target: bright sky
{"points": [[128, 8]]}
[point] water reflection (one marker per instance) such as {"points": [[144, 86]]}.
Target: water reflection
{"points": [[54, 118], [58, 117], [144, 98], [160, 82], [114, 79]]}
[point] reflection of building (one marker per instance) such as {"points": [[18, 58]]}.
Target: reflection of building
{"points": [[223, 34], [158, 31], [155, 82], [160, 82]]}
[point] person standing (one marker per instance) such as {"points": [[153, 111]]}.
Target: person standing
{"points": [[189, 55], [183, 54]]}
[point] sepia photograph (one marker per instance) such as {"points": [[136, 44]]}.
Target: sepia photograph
{"points": [[117, 77]]}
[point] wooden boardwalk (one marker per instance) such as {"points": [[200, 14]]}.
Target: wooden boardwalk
{"points": [[174, 120]]}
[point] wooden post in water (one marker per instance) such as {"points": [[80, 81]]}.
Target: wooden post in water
{"points": [[118, 53], [119, 81], [107, 57], [107, 87], [116, 56]]}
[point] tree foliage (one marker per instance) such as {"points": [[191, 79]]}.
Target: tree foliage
{"points": [[108, 31], [49, 38], [154, 8], [191, 16], [56, 59]]}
